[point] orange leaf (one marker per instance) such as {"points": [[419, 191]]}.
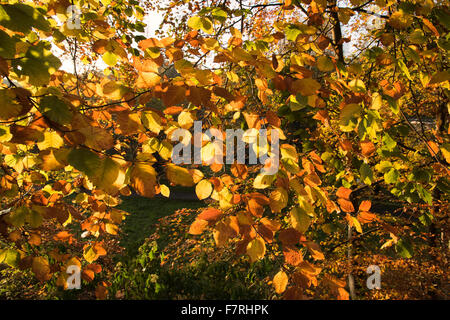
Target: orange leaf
{"points": [[210, 214], [198, 226], [343, 193], [367, 148], [365, 205], [346, 205]]}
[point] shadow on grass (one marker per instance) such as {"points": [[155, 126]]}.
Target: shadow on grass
{"points": [[144, 214]]}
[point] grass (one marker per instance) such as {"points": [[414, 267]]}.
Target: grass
{"points": [[144, 213]]}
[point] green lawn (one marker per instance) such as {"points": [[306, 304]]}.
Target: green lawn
{"points": [[144, 213]]}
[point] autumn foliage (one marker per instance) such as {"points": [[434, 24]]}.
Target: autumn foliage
{"points": [[356, 90]]}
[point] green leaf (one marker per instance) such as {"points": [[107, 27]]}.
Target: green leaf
{"points": [[404, 69], [348, 117], [18, 216], [38, 64], [388, 143], [391, 176], [325, 64], [34, 218], [55, 109], [219, 14], [404, 248], [85, 161], [20, 17], [443, 17], [10, 257], [8, 47], [366, 174]]}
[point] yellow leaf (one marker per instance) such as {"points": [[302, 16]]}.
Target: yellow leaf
{"points": [[147, 80], [263, 181], [51, 140], [278, 199], [111, 228], [256, 249], [143, 179], [300, 219], [179, 176], [165, 191], [203, 189], [306, 86], [185, 120], [109, 177], [280, 282], [152, 121]]}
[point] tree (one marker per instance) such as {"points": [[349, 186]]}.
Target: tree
{"points": [[348, 123]]}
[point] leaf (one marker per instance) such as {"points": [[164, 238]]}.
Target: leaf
{"points": [[366, 174], [256, 249], [348, 121], [198, 226], [109, 177], [346, 205], [165, 191], [20, 17], [365, 205], [278, 199], [357, 85], [152, 121], [200, 23], [325, 64], [300, 220], [203, 189], [8, 48], [10, 257], [306, 86], [55, 109], [143, 179], [439, 77], [344, 193], [315, 251], [89, 254], [391, 176], [239, 170], [38, 64], [430, 26], [85, 161], [367, 148], [280, 281], [404, 68], [256, 202], [41, 268], [185, 120], [404, 249], [51, 140], [147, 80], [109, 58], [263, 181], [210, 214], [179, 176]]}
